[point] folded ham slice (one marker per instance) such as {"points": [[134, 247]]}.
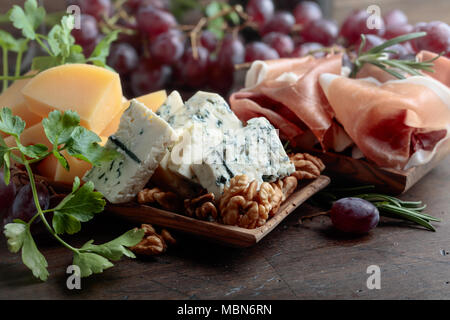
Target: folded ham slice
{"points": [[441, 66], [396, 124], [288, 94]]}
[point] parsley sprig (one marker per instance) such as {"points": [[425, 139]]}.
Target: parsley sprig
{"points": [[64, 132], [379, 57], [59, 44]]}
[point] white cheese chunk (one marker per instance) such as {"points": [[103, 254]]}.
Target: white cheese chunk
{"points": [[255, 151], [143, 139], [200, 124], [170, 107]]}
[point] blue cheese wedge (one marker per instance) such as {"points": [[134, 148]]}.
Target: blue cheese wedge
{"points": [[255, 151], [143, 139], [200, 124], [173, 104], [209, 109]]}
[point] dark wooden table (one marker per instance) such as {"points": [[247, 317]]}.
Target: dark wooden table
{"points": [[296, 261]]}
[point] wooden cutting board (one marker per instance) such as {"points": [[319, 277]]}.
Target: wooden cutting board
{"points": [[213, 231]]}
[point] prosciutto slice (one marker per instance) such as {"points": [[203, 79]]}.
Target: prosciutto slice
{"points": [[396, 124], [441, 66], [288, 94]]}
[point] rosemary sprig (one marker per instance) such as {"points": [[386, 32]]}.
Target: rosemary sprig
{"points": [[387, 205], [379, 57]]}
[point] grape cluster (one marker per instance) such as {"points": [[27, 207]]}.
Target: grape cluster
{"points": [[157, 54], [19, 204]]}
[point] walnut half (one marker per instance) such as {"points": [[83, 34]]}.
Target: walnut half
{"points": [[306, 166], [202, 207], [153, 243], [167, 200], [244, 206]]}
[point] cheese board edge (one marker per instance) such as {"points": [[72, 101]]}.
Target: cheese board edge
{"points": [[213, 231]]}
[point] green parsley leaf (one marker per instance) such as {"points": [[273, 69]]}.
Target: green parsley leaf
{"points": [[6, 165], [82, 204], [115, 249], [15, 233], [76, 184], [29, 19], [90, 263], [32, 258], [84, 145], [60, 39], [61, 159], [3, 150], [59, 126], [11, 124], [8, 42], [76, 55], [34, 151], [65, 223], [44, 63], [101, 51]]}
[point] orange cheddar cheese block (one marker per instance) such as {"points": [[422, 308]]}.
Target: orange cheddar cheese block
{"points": [[152, 101], [12, 98], [32, 135], [93, 92], [51, 169]]}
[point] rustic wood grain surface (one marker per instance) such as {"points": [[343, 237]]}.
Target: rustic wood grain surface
{"points": [[295, 261]]}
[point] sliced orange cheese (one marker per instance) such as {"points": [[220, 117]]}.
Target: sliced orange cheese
{"points": [[50, 167], [54, 171], [93, 92], [32, 135], [152, 101], [12, 98]]}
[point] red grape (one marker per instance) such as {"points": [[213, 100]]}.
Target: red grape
{"points": [[168, 47], [307, 48], [260, 11], [321, 31], [398, 30], [306, 12], [356, 24], [195, 69], [7, 194], [96, 8], [154, 21], [123, 58], [395, 18], [209, 40], [282, 21], [220, 80], [231, 52], [354, 215], [23, 207], [135, 4], [149, 78], [282, 43], [90, 47], [437, 38], [88, 31], [259, 51]]}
